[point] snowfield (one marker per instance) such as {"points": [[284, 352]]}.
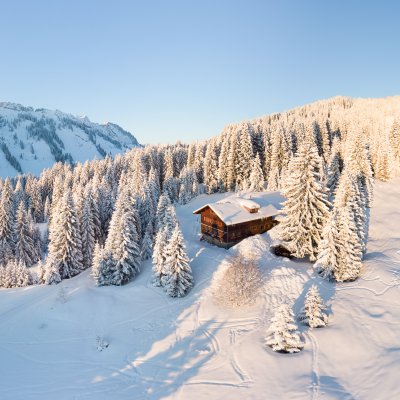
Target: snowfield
{"points": [[190, 348]]}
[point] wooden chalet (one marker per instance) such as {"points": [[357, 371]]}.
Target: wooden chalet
{"points": [[235, 218]]}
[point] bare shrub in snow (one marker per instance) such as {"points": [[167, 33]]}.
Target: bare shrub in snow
{"points": [[240, 284], [101, 343]]}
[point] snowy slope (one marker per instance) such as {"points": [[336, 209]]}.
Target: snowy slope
{"points": [[163, 348], [31, 140]]}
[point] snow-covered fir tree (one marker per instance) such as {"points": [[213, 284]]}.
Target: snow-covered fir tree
{"points": [[7, 229], [103, 266], [88, 233], [15, 274], [65, 247], [170, 221], [307, 207], [256, 175], [210, 169], [46, 210], [24, 248], [159, 256], [163, 204], [351, 250], [51, 272], [282, 335], [394, 139], [178, 278], [349, 194], [123, 242], [313, 312], [333, 173], [340, 251], [244, 158], [147, 243], [329, 260]]}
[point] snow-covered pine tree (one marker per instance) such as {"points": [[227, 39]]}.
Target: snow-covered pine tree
{"points": [[313, 313], [95, 213], [195, 187], [19, 194], [47, 208], [128, 252], [223, 164], [267, 154], [279, 158], [16, 274], [24, 250], [154, 185], [178, 278], [384, 160], [282, 335], [7, 229], [7, 195], [317, 136], [88, 235], [163, 204], [40, 272], [146, 209], [232, 160], [307, 206], [256, 176], [244, 157], [22, 275], [39, 244], [394, 138], [51, 273], [36, 203], [329, 260], [65, 247], [348, 194], [147, 243], [159, 255], [351, 251], [333, 173], [211, 169], [103, 266], [199, 162], [123, 241], [358, 163], [170, 221]]}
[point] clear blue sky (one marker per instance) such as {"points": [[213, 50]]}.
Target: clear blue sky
{"points": [[170, 70]]}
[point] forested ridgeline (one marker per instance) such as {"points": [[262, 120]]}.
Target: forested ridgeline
{"points": [[111, 213]]}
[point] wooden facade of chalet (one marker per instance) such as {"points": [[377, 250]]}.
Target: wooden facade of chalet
{"points": [[215, 231]]}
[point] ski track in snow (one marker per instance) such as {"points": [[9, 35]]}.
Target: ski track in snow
{"points": [[315, 380]]}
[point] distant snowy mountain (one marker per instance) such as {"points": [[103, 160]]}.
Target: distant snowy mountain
{"points": [[33, 139]]}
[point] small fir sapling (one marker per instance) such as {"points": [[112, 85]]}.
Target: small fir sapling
{"points": [[313, 313], [282, 335]]}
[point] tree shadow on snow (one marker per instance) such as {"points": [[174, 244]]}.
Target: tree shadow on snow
{"points": [[168, 360], [331, 389], [169, 346]]}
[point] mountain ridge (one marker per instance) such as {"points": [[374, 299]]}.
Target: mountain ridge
{"points": [[32, 139]]}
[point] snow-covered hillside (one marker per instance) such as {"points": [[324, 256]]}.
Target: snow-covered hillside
{"points": [[33, 139], [189, 348]]}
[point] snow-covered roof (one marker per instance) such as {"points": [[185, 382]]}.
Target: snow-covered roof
{"points": [[250, 204], [231, 210]]}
